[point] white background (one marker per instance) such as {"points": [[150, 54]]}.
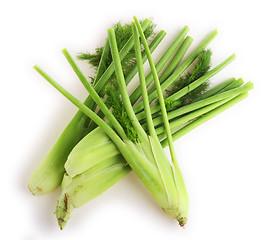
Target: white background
{"points": [[224, 162]]}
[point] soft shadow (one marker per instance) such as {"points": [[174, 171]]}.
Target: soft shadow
{"points": [[44, 205]]}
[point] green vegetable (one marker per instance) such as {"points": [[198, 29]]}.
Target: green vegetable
{"points": [[133, 137], [144, 154]]}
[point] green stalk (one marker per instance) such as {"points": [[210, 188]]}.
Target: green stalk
{"points": [[163, 60], [179, 133], [157, 40], [179, 122], [94, 95], [190, 117], [145, 150], [130, 75], [201, 80], [108, 130], [176, 59], [161, 165], [134, 97], [86, 155], [238, 83], [142, 81], [180, 69], [181, 210], [176, 96], [96, 147], [122, 84], [102, 65], [207, 101], [215, 90], [159, 91]]}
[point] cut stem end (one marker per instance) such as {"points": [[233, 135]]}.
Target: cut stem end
{"points": [[63, 210]]}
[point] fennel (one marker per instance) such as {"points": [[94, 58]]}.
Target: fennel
{"points": [[135, 139]]}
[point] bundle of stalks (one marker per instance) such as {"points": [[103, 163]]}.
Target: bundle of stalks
{"points": [[97, 149]]}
